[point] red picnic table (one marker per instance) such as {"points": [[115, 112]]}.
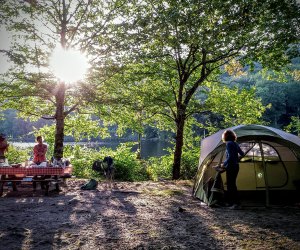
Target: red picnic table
{"points": [[33, 174]]}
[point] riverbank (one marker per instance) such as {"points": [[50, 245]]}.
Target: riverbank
{"points": [[139, 215]]}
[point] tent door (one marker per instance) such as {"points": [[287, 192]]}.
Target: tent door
{"points": [[259, 175]]}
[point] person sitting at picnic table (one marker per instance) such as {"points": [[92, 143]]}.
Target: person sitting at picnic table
{"points": [[39, 151], [39, 156], [3, 146]]}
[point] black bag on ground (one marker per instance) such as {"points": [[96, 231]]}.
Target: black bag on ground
{"points": [[91, 185]]}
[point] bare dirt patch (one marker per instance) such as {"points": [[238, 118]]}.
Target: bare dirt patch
{"points": [[139, 215]]}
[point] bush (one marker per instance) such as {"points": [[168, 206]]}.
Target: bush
{"points": [[82, 158], [189, 163], [161, 167], [128, 168], [17, 155]]}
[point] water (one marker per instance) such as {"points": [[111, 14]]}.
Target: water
{"points": [[154, 148], [149, 148]]}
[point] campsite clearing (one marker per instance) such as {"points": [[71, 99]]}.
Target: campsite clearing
{"points": [[140, 215]]}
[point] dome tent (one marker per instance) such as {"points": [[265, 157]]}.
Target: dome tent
{"points": [[271, 163]]}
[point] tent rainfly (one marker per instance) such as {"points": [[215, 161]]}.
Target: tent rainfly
{"points": [[272, 162]]}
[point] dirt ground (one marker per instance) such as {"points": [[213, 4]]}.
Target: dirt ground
{"points": [[139, 215]]}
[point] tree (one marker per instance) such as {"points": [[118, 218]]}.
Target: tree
{"points": [[278, 89], [183, 44], [294, 126], [127, 102], [235, 106], [37, 27]]}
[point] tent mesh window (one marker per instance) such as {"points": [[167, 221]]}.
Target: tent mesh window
{"points": [[254, 153]]}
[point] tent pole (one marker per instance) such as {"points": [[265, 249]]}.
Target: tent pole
{"points": [[265, 174]]}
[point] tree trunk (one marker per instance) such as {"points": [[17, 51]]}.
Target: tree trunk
{"points": [[178, 147], [138, 155], [60, 122]]}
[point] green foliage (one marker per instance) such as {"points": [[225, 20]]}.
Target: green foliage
{"points": [[284, 100], [81, 126], [173, 47], [30, 85], [177, 46], [17, 155], [191, 150], [236, 106], [160, 167], [82, 159], [128, 168], [189, 163], [281, 96], [294, 126]]}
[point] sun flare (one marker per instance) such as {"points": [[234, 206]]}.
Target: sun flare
{"points": [[68, 66]]}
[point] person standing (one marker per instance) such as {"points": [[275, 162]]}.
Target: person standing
{"points": [[39, 151], [3, 149], [231, 164], [3, 146]]}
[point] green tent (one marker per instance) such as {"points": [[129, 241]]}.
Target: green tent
{"points": [[271, 163]]}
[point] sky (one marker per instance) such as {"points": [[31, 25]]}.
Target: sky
{"points": [[58, 61]]}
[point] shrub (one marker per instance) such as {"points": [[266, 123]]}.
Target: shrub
{"points": [[161, 167], [17, 155], [128, 168], [82, 158], [189, 163]]}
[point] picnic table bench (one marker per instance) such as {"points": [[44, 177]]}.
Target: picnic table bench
{"points": [[44, 175]]}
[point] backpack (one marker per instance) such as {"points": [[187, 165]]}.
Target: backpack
{"points": [[91, 185], [109, 161], [97, 166]]}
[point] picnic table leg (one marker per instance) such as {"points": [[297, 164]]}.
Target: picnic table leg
{"points": [[47, 188], [34, 183], [43, 185], [56, 184], [57, 187], [1, 187], [2, 182], [13, 183], [14, 186]]}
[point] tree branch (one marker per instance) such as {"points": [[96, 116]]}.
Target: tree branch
{"points": [[71, 109]]}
